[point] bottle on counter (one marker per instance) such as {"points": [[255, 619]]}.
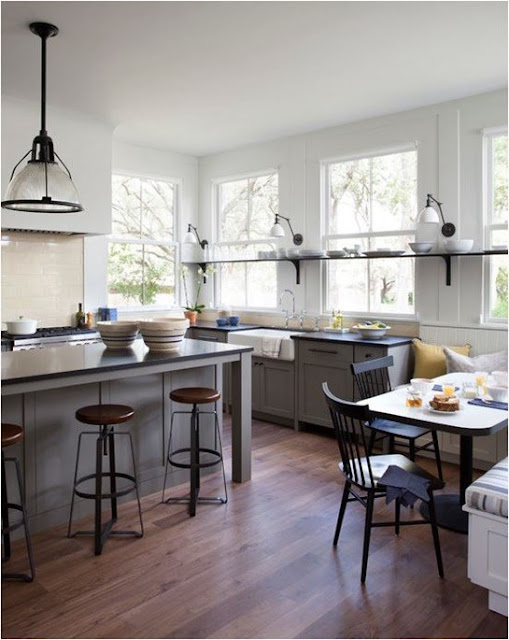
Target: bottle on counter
{"points": [[80, 317], [90, 320], [337, 320]]}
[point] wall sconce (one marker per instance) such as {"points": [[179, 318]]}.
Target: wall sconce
{"points": [[192, 237], [429, 214], [277, 230], [43, 186]]}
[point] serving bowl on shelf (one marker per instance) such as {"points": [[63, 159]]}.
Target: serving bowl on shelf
{"points": [[163, 334], [119, 334], [458, 246], [421, 247]]}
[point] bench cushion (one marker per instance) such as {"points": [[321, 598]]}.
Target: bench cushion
{"points": [[489, 492]]}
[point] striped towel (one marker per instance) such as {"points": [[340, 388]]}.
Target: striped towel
{"points": [[489, 492], [271, 346]]}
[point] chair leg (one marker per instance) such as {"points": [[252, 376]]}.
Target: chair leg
{"points": [[371, 442], [367, 532], [437, 454], [397, 513], [434, 530], [391, 444], [344, 500], [411, 449]]}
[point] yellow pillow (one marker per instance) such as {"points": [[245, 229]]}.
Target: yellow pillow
{"points": [[430, 358]]}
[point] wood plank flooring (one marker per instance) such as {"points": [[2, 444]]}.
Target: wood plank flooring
{"points": [[262, 566]]}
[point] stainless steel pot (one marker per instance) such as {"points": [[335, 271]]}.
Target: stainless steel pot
{"points": [[22, 326]]}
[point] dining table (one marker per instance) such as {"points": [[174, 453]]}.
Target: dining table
{"points": [[469, 422]]}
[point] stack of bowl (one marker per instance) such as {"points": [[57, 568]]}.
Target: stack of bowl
{"points": [[163, 334], [118, 335]]}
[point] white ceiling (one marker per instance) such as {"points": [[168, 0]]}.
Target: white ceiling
{"points": [[202, 77]]}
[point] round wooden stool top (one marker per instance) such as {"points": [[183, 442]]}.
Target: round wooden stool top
{"points": [[195, 395], [105, 414], [11, 433]]}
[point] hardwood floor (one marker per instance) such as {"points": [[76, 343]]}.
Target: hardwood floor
{"points": [[262, 566]]}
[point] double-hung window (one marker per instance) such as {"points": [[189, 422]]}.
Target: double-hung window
{"points": [[495, 206], [142, 249], [371, 205], [245, 214]]}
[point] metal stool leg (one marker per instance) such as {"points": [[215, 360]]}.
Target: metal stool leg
{"points": [[113, 477], [218, 437], [195, 460], [98, 492], [74, 486], [6, 536], [135, 472]]}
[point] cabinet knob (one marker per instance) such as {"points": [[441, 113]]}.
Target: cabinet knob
{"points": [[368, 355]]}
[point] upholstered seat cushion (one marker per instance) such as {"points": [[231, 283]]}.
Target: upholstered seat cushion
{"points": [[489, 492], [397, 428]]}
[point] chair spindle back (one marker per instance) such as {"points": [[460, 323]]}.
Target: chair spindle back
{"points": [[372, 376]]}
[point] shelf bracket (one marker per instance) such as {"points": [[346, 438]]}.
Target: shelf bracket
{"points": [[296, 264], [203, 267], [447, 270]]}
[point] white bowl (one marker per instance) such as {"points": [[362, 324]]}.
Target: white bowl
{"points": [[497, 393], [163, 334], [423, 385], [118, 335], [458, 246], [421, 247], [372, 334], [22, 326]]}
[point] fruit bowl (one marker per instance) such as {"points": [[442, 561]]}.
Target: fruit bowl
{"points": [[372, 332]]}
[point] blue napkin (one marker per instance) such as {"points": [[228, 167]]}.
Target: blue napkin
{"points": [[404, 485], [479, 402], [438, 387]]}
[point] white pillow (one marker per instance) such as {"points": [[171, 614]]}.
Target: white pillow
{"points": [[487, 362]]}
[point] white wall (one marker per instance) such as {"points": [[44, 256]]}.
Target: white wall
{"points": [[153, 163], [449, 139]]}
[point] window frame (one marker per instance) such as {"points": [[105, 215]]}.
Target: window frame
{"points": [[489, 226], [325, 237], [219, 244], [113, 239]]}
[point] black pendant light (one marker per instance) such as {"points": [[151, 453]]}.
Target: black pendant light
{"points": [[43, 186]]}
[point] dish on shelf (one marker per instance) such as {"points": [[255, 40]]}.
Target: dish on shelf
{"points": [[458, 246], [499, 247], [293, 253], [384, 253], [312, 253], [337, 253], [332, 330], [421, 247]]}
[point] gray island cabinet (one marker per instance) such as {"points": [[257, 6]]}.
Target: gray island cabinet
{"points": [[326, 357], [42, 389]]}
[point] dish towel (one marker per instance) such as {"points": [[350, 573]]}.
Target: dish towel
{"points": [[271, 346], [492, 403], [404, 485]]}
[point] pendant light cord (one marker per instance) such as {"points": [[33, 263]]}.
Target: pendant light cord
{"points": [[43, 83]]}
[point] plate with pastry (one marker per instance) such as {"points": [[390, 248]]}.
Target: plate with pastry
{"points": [[444, 404]]}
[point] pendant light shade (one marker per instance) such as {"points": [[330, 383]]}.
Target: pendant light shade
{"points": [[44, 185]]}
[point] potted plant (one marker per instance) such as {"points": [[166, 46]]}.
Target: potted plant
{"points": [[192, 309]]}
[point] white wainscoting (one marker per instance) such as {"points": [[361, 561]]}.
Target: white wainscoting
{"points": [[483, 340]]}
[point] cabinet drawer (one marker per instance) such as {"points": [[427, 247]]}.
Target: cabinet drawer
{"points": [[326, 353], [368, 352]]}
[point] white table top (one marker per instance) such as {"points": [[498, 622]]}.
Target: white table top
{"points": [[470, 420]]}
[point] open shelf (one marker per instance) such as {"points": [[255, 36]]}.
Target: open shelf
{"points": [[298, 259]]}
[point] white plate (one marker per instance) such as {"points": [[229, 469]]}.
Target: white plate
{"points": [[337, 254], [312, 253], [443, 413], [332, 330]]}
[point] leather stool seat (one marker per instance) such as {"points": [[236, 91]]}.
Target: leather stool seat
{"points": [[13, 434], [100, 414], [195, 395]]}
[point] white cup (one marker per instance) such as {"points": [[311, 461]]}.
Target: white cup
{"points": [[497, 393], [423, 385]]}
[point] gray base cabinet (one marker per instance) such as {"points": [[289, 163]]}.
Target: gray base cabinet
{"points": [[195, 333], [273, 389]]}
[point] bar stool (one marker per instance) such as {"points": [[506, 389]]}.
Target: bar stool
{"points": [[195, 457], [105, 416], [13, 434]]}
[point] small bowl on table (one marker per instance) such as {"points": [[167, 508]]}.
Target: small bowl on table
{"points": [[119, 334], [163, 334]]}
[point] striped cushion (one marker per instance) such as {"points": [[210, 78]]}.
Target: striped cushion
{"points": [[489, 492]]}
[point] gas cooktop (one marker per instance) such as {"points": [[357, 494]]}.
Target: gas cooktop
{"points": [[51, 332]]}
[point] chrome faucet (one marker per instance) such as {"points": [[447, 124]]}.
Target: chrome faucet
{"points": [[288, 316]]}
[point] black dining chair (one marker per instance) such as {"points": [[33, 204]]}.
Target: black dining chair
{"points": [[372, 379], [363, 471]]}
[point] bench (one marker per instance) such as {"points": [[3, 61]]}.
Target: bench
{"points": [[486, 504]]}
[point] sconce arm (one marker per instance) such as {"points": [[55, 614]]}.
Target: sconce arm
{"points": [[448, 229]]}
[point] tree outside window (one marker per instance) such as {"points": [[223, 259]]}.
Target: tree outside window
{"points": [[371, 202], [245, 213], [496, 223], [142, 248]]}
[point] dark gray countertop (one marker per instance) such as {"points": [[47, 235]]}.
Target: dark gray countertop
{"points": [[228, 328], [55, 362], [352, 338]]}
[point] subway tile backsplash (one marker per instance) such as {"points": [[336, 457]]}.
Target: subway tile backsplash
{"points": [[42, 277]]}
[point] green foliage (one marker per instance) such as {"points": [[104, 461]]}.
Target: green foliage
{"points": [[195, 306], [500, 309]]}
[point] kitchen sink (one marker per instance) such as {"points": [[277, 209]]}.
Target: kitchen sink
{"points": [[260, 340]]}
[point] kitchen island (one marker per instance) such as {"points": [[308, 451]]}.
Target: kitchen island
{"points": [[41, 390]]}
